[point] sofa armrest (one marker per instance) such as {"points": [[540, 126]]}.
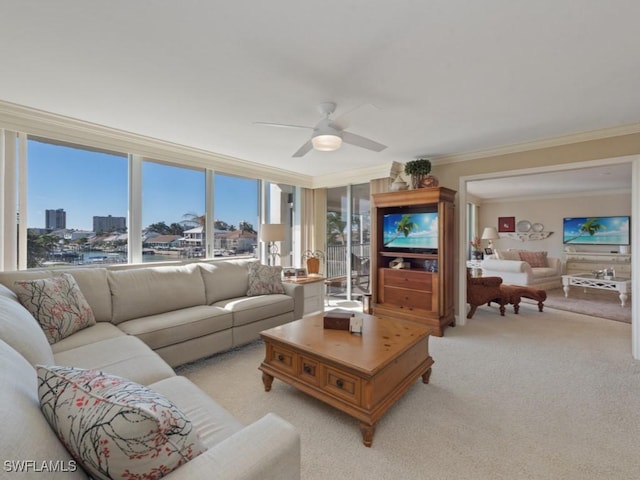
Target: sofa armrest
{"points": [[512, 266], [297, 292], [555, 263], [268, 449], [485, 281]]}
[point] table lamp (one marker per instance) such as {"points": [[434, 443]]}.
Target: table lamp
{"points": [[270, 233], [490, 233]]}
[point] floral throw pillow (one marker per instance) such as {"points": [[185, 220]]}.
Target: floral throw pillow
{"points": [[57, 304], [264, 280], [113, 427]]}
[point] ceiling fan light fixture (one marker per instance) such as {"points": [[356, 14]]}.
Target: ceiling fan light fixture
{"points": [[327, 142]]}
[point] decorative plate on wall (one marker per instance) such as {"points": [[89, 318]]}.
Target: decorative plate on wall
{"points": [[523, 226], [537, 227]]}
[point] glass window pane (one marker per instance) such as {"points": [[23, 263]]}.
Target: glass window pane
{"points": [[236, 215], [76, 205], [337, 231], [173, 212], [360, 239]]}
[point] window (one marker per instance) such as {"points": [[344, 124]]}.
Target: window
{"points": [[236, 215], [173, 212], [76, 205]]}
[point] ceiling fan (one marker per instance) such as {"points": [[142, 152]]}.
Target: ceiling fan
{"points": [[329, 134]]}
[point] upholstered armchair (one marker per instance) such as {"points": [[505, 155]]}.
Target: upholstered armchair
{"points": [[481, 290]]}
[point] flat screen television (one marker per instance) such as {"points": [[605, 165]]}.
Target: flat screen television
{"points": [[612, 230], [410, 230]]}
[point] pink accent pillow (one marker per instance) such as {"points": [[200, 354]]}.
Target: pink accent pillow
{"points": [[57, 304], [535, 259], [113, 427]]}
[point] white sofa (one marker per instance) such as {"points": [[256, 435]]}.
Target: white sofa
{"points": [[266, 449], [514, 271]]}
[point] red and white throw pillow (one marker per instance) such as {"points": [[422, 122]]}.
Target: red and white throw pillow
{"points": [[57, 304], [535, 259], [113, 427]]}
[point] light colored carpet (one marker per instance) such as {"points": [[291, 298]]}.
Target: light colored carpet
{"points": [[551, 395], [594, 302]]}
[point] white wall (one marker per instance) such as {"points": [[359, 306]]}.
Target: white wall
{"points": [[550, 212]]}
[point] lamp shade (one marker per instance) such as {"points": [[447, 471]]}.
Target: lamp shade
{"points": [[272, 232], [490, 233], [326, 143]]}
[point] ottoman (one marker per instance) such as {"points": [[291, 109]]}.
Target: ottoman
{"points": [[514, 293]]}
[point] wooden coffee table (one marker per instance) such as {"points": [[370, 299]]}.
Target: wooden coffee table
{"points": [[360, 375]]}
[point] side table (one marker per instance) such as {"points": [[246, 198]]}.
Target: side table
{"points": [[476, 267], [313, 287]]}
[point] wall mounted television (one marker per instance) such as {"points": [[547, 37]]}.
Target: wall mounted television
{"points": [[410, 230], [612, 230]]}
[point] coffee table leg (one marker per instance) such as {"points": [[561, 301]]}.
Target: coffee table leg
{"points": [[367, 433], [267, 380], [623, 298], [426, 375]]}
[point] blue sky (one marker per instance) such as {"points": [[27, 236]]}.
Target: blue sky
{"points": [[86, 183]]}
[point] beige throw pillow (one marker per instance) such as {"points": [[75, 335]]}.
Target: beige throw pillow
{"points": [[535, 259]]}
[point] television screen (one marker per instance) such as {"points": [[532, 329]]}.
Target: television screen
{"points": [[596, 231], [405, 231]]}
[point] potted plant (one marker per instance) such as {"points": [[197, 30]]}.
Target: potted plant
{"points": [[418, 170], [313, 260]]}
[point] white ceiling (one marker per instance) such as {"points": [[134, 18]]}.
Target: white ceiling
{"points": [[606, 178], [446, 76]]}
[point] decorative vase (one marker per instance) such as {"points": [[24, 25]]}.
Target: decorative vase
{"points": [[429, 181], [313, 265], [476, 254], [399, 184]]}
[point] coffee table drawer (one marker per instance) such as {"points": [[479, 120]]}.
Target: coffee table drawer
{"points": [[308, 370], [281, 359], [342, 384]]}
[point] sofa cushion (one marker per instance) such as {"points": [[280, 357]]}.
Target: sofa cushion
{"points": [[535, 259], [211, 420], [26, 435], [21, 331], [178, 326], [96, 333], [92, 282], [507, 254], [116, 428], [252, 309], [264, 280], [57, 304], [225, 279], [125, 356], [148, 291]]}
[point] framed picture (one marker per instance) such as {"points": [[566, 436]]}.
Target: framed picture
{"points": [[288, 272], [488, 251], [301, 273], [506, 224]]}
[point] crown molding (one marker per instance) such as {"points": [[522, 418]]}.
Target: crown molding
{"points": [[627, 129], [356, 176], [66, 129]]}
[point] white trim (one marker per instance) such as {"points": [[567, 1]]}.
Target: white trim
{"points": [[134, 217], [635, 234], [356, 176], [22, 202], [209, 220]]}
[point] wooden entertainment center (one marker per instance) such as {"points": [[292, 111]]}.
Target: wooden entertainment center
{"points": [[423, 290]]}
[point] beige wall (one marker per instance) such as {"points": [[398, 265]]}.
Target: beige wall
{"points": [[550, 212], [449, 171]]}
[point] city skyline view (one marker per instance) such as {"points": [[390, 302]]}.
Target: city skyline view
{"points": [[88, 183]]}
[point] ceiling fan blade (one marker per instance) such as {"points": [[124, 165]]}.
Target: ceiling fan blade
{"points": [[363, 142], [282, 125], [342, 121], [304, 149]]}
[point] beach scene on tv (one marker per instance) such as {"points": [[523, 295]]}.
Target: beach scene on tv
{"points": [[411, 230], [596, 230]]}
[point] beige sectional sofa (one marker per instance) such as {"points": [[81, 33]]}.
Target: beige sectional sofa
{"points": [[147, 320]]}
